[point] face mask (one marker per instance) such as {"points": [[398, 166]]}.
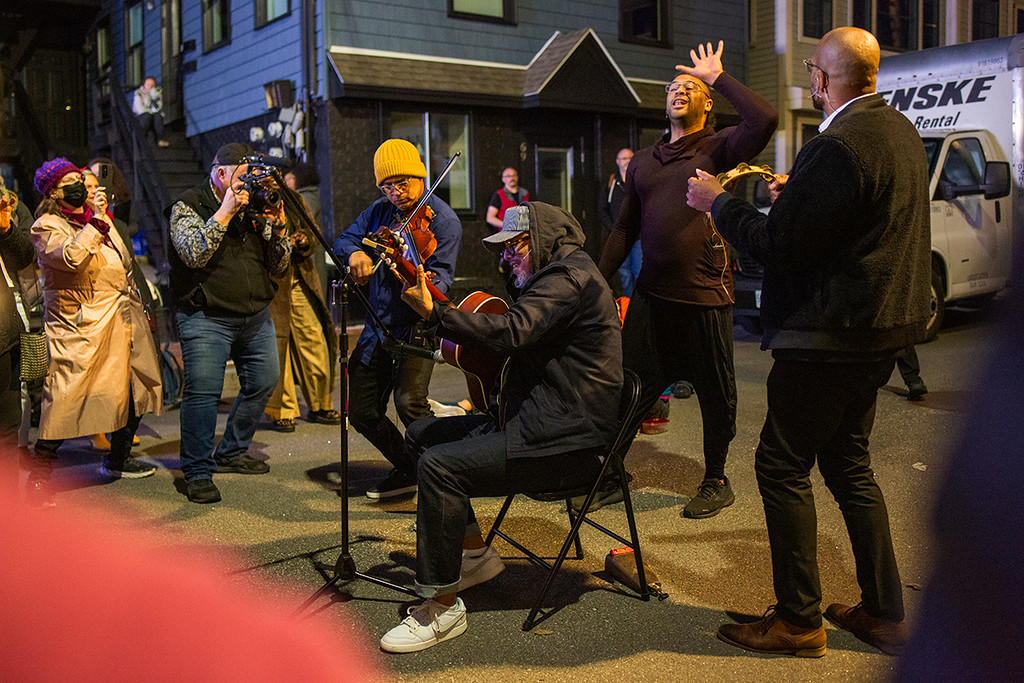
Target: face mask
{"points": [[75, 194]]}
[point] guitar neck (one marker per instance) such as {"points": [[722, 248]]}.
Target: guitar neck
{"points": [[406, 272]]}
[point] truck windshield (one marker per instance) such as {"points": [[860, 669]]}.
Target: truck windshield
{"points": [[931, 148]]}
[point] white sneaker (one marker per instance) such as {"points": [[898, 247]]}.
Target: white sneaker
{"points": [[480, 568], [427, 625]]}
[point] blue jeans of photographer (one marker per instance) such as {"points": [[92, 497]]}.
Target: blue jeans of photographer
{"points": [[208, 340], [465, 457]]}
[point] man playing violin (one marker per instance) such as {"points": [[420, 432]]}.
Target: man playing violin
{"points": [[557, 409], [374, 373]]}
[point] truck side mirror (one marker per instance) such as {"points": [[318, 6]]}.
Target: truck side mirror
{"points": [[997, 179]]}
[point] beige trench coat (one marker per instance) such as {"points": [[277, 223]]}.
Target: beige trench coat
{"points": [[96, 330]]}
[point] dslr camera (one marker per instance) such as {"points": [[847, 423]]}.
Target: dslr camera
{"points": [[259, 183]]}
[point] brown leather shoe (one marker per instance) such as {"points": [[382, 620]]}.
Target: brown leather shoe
{"points": [[887, 636], [774, 636]]}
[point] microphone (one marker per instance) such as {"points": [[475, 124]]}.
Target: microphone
{"points": [[403, 349]]}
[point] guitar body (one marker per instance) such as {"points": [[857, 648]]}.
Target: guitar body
{"points": [[481, 367]]}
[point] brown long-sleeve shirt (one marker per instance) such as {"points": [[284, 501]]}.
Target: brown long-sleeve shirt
{"points": [[683, 258]]}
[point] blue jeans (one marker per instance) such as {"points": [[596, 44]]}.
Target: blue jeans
{"points": [[207, 341], [630, 269], [466, 457]]}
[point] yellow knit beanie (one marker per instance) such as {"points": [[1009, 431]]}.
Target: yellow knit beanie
{"points": [[395, 158]]}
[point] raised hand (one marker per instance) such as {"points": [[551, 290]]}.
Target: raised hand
{"points": [[707, 65]]}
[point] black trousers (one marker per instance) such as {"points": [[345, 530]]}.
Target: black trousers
{"points": [[824, 412], [370, 389], [152, 122], [466, 457], [663, 342]]}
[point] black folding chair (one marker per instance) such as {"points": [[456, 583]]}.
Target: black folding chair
{"points": [[629, 420]]}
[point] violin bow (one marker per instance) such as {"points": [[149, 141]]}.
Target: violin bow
{"points": [[413, 254]]}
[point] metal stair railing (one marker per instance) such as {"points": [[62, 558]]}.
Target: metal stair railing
{"points": [[141, 164]]}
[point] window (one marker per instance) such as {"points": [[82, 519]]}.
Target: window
{"points": [[134, 55], [984, 19], [500, 11], [817, 18], [964, 165], [646, 22], [899, 25], [216, 24], [103, 46], [271, 10], [438, 136]]}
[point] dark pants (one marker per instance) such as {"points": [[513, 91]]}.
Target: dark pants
{"points": [[824, 412], [44, 453], [465, 457], [152, 122], [910, 368], [663, 342], [10, 398], [370, 388]]}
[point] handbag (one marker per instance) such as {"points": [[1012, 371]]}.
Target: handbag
{"points": [[35, 357]]}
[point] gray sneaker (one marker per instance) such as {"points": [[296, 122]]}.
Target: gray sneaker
{"points": [[129, 468], [712, 496]]}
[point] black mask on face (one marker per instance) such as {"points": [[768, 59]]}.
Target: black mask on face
{"points": [[75, 194]]}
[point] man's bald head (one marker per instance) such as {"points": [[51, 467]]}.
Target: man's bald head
{"points": [[850, 57]]}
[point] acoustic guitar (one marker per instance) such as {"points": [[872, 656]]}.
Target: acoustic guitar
{"points": [[481, 367]]}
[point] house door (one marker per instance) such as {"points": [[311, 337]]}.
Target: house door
{"points": [[554, 173]]}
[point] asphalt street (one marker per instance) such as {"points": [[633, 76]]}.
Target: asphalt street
{"points": [[713, 570]]}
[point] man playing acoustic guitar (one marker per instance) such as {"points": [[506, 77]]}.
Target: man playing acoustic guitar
{"points": [[374, 372], [556, 411]]}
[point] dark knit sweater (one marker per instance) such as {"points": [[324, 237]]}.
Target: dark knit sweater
{"points": [[846, 245], [682, 258]]}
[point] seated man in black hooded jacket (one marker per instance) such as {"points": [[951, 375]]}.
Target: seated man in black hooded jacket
{"points": [[557, 409]]}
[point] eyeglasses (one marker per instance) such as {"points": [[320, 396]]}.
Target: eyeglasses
{"points": [[513, 248], [394, 186], [689, 86], [811, 66]]}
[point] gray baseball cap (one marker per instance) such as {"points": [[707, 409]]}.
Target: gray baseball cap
{"points": [[515, 223]]}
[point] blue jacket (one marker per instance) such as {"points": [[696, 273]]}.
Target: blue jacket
{"points": [[385, 288]]}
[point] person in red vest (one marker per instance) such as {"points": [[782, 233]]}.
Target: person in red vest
{"points": [[503, 199]]}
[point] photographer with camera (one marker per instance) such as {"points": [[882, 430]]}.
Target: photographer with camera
{"points": [[229, 240], [147, 103]]}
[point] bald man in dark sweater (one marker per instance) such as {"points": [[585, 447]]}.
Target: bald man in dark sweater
{"points": [[679, 322], [846, 255]]}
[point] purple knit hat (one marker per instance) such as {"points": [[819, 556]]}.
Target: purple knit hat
{"points": [[50, 173]]}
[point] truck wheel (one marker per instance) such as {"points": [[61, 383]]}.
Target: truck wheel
{"points": [[938, 306]]}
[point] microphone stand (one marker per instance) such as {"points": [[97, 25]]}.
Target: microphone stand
{"points": [[344, 568]]}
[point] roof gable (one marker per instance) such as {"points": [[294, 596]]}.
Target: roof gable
{"points": [[571, 70]]}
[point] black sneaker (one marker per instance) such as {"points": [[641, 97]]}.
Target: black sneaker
{"points": [[202, 491], [609, 494], [395, 484], [682, 389], [131, 468], [243, 464], [712, 496]]}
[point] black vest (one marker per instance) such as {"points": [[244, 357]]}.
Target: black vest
{"points": [[235, 279]]}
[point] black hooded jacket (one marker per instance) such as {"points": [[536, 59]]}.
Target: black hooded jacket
{"points": [[561, 386]]}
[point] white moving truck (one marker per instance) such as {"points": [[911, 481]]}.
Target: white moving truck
{"points": [[967, 102]]}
